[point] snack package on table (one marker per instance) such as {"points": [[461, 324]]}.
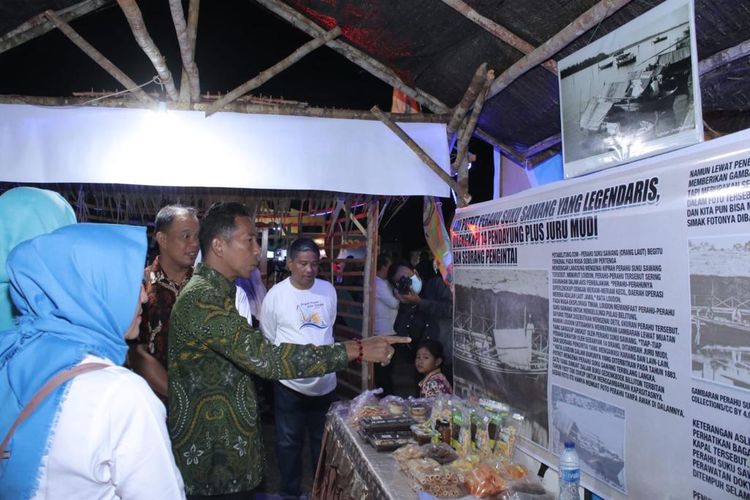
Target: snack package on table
{"points": [[366, 404], [429, 476], [484, 481], [441, 453], [394, 405]]}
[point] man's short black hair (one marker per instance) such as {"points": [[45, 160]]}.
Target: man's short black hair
{"points": [[302, 245], [219, 221], [166, 216]]}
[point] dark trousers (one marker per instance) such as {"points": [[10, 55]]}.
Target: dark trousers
{"points": [[297, 415]]}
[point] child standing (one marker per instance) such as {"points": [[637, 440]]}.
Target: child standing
{"points": [[428, 361]]}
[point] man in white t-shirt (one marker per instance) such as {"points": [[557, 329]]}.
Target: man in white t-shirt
{"points": [[300, 310], [386, 308]]}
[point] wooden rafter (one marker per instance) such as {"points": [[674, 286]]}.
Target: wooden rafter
{"points": [[99, 58], [469, 97], [498, 31], [39, 24], [274, 70], [460, 191], [138, 27], [724, 57], [377, 69], [192, 31], [542, 146], [583, 23], [187, 50], [237, 107]]}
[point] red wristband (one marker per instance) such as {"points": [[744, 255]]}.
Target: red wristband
{"points": [[361, 354]]}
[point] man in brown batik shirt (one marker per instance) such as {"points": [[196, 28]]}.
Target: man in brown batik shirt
{"points": [[176, 235]]}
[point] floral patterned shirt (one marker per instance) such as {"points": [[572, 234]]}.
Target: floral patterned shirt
{"points": [[162, 294], [433, 384], [213, 415]]}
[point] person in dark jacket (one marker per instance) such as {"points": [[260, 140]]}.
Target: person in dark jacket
{"points": [[426, 310]]}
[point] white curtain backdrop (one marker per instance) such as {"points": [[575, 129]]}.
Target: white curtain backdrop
{"points": [[184, 148]]}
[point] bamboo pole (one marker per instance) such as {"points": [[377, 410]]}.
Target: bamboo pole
{"points": [[187, 50], [369, 64], [138, 27], [460, 165], [99, 58], [583, 23], [460, 191], [459, 112], [724, 57], [498, 31], [192, 31], [377, 69], [237, 107], [39, 24], [369, 298], [274, 70]]}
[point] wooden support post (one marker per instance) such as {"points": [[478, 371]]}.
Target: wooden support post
{"points": [[187, 49], [39, 24], [498, 31], [459, 112], [583, 23], [99, 58], [274, 70], [460, 191], [138, 27], [368, 300], [461, 166]]}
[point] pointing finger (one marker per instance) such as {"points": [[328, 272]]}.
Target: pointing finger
{"points": [[396, 339]]}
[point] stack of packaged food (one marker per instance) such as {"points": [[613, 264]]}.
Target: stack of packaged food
{"points": [[447, 446]]}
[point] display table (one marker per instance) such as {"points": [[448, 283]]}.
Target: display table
{"points": [[349, 468]]}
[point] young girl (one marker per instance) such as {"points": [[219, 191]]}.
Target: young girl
{"points": [[429, 359]]}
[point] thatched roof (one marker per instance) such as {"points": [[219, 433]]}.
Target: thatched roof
{"points": [[432, 50]]}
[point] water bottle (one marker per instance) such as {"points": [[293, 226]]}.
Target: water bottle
{"points": [[570, 473]]}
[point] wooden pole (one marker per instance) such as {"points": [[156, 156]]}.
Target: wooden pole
{"points": [[39, 24], [498, 31], [724, 57], [376, 68], [138, 27], [186, 49], [460, 191], [583, 23], [368, 300], [99, 58], [461, 165], [192, 30], [274, 70], [356, 56], [459, 112]]}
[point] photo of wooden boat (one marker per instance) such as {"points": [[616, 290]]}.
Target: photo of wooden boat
{"points": [[606, 65], [625, 59]]}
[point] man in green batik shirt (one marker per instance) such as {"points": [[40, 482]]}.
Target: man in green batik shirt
{"points": [[213, 417]]}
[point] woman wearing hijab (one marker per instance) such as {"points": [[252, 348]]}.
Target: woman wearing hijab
{"points": [[26, 212], [101, 435]]}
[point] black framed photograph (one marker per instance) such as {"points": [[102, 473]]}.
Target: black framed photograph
{"points": [[633, 93]]}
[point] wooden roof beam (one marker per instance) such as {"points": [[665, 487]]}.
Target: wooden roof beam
{"points": [[724, 57], [582, 24], [461, 192], [498, 31], [99, 58], [377, 69], [186, 40], [472, 91], [39, 24], [274, 70], [138, 27]]}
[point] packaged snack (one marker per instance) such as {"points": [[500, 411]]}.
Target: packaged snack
{"points": [[388, 441], [481, 433], [394, 405], [429, 476], [408, 452], [484, 481], [441, 453], [385, 424], [422, 433], [365, 405], [461, 430], [511, 471]]}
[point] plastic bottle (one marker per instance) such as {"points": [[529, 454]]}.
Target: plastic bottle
{"points": [[570, 473]]}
